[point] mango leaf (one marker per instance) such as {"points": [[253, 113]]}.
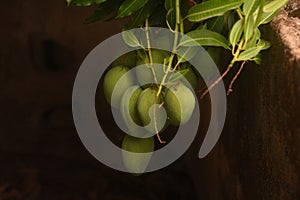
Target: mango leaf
{"points": [[212, 8], [216, 24], [264, 44], [144, 13], [249, 53], [204, 38], [257, 59], [270, 10], [103, 11], [249, 28], [128, 7], [254, 39], [130, 39], [187, 53], [250, 7], [236, 32], [274, 5], [170, 6], [179, 75], [259, 13], [85, 2]]}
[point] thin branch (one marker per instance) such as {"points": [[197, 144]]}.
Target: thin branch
{"points": [[155, 121], [216, 82], [235, 77]]}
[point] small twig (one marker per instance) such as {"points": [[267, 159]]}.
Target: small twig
{"points": [[155, 122], [216, 82], [235, 77]]}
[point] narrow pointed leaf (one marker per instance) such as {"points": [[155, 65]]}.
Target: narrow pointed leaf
{"points": [[86, 2], [179, 75], [216, 24], [249, 28], [212, 8], [170, 6], [185, 54], [249, 53], [274, 5], [270, 10], [264, 44], [144, 13], [103, 11], [130, 39], [250, 7], [236, 32], [128, 7], [254, 39], [259, 12], [204, 38]]}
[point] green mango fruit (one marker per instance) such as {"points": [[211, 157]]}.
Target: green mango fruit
{"points": [[112, 77], [144, 74], [139, 155], [179, 103], [145, 107], [127, 60], [129, 112]]}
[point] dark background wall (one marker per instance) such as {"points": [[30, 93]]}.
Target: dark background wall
{"points": [[41, 157]]}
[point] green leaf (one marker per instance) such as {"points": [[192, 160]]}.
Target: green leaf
{"points": [[236, 32], [179, 75], [130, 39], [249, 28], [212, 8], [103, 11], [264, 44], [270, 10], [250, 7], [170, 6], [128, 7], [257, 59], [249, 53], [254, 39], [144, 13], [185, 54], [204, 38], [259, 13], [274, 5], [216, 24], [85, 2]]}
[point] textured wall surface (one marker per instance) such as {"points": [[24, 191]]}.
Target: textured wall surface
{"points": [[258, 155]]}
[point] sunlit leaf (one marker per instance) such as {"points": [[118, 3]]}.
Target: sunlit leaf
{"points": [[249, 28], [179, 75], [254, 39], [236, 32], [270, 10], [249, 53], [264, 44], [250, 6], [185, 54], [204, 38], [212, 8], [130, 39]]}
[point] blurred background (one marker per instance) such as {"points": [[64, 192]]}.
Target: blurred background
{"points": [[41, 156]]}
